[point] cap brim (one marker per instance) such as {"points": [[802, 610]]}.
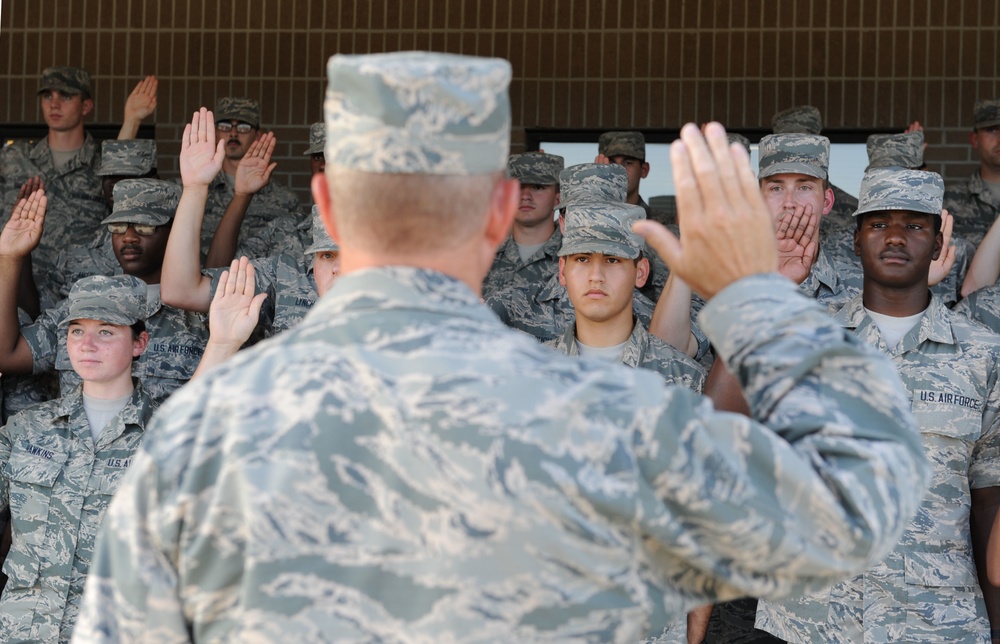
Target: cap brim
{"points": [[322, 247], [129, 217], [535, 179], [793, 168], [604, 247], [314, 149]]}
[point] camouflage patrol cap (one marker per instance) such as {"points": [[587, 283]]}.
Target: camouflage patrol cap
{"points": [[535, 168], [132, 158], [592, 182], [118, 299], [739, 138], [803, 119], [807, 154], [317, 138], [321, 238], [144, 201], [630, 144], [986, 113], [901, 189], [68, 80], [237, 108], [602, 228], [904, 150], [418, 113]]}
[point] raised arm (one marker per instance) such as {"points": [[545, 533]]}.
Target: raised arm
{"points": [[182, 284], [672, 317], [140, 104], [252, 174], [985, 267], [19, 237], [828, 470], [233, 315]]}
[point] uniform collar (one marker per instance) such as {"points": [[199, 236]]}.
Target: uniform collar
{"points": [[935, 325]]}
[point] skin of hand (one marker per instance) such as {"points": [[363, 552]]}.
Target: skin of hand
{"points": [[797, 242], [255, 168], [235, 308], [23, 231], [201, 157], [727, 230], [141, 103]]}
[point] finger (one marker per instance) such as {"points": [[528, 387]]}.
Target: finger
{"points": [[241, 275], [706, 171], [251, 285], [812, 223], [722, 172], [220, 291], [664, 242], [687, 195], [270, 169], [220, 152], [186, 137], [253, 311], [234, 272]]}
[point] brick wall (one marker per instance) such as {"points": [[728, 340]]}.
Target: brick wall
{"points": [[577, 63]]}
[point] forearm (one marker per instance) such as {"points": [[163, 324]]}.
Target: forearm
{"points": [[671, 320], [215, 354], [981, 519], [129, 129], [985, 266], [15, 357], [182, 284], [226, 237], [27, 291]]}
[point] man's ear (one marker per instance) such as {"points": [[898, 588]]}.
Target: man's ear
{"points": [[503, 207], [641, 272], [88, 106], [139, 344], [645, 170], [321, 195]]}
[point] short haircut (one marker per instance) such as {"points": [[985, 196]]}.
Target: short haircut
{"points": [[408, 213]]}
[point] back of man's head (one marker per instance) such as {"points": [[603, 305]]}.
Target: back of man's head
{"points": [[415, 142]]}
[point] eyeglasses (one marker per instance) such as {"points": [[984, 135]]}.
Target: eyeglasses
{"points": [[241, 128], [143, 230]]}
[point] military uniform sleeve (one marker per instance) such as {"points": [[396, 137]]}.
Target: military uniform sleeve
{"points": [[43, 338], [984, 468], [819, 483]]}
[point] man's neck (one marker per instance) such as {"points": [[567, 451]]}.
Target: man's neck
{"points": [[607, 333], [66, 141], [896, 302], [229, 166], [632, 198], [989, 174], [533, 235]]}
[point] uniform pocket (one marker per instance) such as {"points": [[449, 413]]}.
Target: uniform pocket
{"points": [[944, 602], [31, 472]]}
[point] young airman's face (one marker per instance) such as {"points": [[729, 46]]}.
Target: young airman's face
{"points": [[896, 247], [783, 192], [326, 269], [64, 112], [101, 352], [601, 286], [538, 203]]}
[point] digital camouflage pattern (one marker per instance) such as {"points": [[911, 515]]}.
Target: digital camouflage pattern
{"points": [[806, 154], [544, 310], [317, 138], [905, 150], [974, 206], [926, 590], [68, 80], [802, 119], [482, 487], [237, 108], [321, 240], [602, 228], [95, 256], [510, 271], [986, 113], [144, 201], [644, 351], [589, 182], [58, 484], [22, 392], [825, 283], [176, 341], [75, 203], [982, 306], [630, 144], [271, 223], [537, 168], [739, 138], [131, 158], [120, 299], [418, 112], [900, 189]]}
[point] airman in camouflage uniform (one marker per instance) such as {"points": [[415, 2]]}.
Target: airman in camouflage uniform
{"points": [[904, 150], [131, 159], [927, 589], [400, 466], [598, 231], [975, 204], [317, 141], [58, 475], [806, 119], [75, 206], [274, 213], [176, 337], [519, 263], [544, 310]]}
